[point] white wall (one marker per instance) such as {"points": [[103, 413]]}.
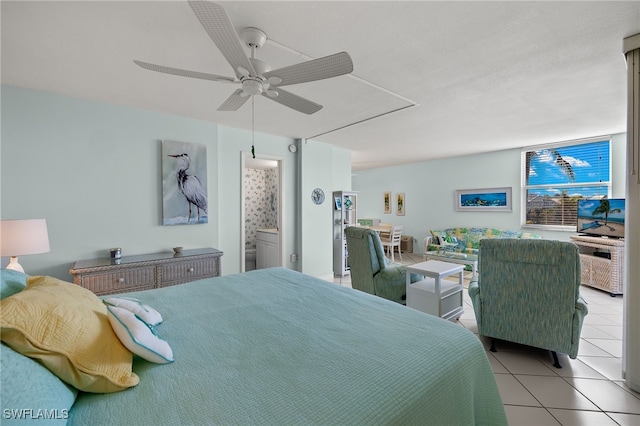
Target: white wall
{"points": [[341, 179], [316, 172], [93, 171], [430, 187]]}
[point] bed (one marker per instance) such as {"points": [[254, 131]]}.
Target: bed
{"points": [[275, 346]]}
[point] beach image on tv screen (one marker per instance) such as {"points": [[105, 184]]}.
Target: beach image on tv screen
{"points": [[601, 217]]}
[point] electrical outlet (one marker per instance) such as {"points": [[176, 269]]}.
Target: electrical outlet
{"points": [[294, 257]]}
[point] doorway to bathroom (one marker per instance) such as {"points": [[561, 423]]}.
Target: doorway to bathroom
{"points": [[262, 208]]}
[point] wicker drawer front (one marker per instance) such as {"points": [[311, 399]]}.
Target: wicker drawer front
{"points": [[601, 272], [125, 280], [585, 267], [188, 271]]}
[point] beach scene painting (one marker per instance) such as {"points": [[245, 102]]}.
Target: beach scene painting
{"points": [[493, 199], [603, 217]]}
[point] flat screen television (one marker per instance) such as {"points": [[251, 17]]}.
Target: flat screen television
{"points": [[603, 217]]}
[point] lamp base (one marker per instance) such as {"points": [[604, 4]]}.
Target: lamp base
{"points": [[14, 265]]}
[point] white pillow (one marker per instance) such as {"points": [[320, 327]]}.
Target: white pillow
{"points": [[138, 337], [145, 312]]}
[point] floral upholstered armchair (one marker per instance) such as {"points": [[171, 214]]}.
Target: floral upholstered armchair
{"points": [[528, 292], [371, 271]]}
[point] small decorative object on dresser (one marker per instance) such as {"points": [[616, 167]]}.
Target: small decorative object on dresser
{"points": [[146, 271], [116, 253]]}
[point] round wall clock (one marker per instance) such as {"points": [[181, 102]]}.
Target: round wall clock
{"points": [[317, 195]]}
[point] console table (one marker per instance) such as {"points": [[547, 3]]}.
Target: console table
{"points": [[601, 262], [142, 272]]}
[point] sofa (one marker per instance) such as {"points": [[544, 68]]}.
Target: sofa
{"points": [[467, 240]]}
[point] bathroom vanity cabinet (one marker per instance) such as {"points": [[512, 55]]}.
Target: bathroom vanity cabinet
{"points": [[267, 248]]}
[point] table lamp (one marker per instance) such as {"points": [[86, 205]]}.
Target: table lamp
{"points": [[18, 237]]}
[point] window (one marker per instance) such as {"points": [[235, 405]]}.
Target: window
{"points": [[556, 176]]}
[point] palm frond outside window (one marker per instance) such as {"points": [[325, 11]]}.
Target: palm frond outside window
{"points": [[556, 176]]}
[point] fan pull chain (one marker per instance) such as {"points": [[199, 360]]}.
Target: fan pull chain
{"points": [[253, 130]]}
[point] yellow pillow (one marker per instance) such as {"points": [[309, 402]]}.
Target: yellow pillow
{"points": [[66, 328]]}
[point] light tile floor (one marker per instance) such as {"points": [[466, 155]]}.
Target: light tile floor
{"points": [[589, 390]]}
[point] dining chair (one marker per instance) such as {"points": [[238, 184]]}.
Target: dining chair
{"points": [[393, 241]]}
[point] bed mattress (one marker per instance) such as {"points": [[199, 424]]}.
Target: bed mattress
{"points": [[278, 347]]}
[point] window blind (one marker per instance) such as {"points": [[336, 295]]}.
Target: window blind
{"points": [[556, 176]]}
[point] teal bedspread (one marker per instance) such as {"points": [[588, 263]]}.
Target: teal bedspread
{"points": [[278, 347]]}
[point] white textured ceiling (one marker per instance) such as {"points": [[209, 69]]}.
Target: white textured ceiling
{"points": [[462, 77]]}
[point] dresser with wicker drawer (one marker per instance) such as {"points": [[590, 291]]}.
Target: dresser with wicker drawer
{"points": [[146, 271]]}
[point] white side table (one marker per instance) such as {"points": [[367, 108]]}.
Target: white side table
{"points": [[434, 295], [460, 258]]}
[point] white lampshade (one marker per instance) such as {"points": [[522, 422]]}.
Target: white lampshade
{"points": [[18, 237]]}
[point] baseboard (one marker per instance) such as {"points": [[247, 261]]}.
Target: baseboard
{"points": [[327, 277]]}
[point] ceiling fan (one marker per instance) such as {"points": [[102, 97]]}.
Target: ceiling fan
{"points": [[255, 76]]}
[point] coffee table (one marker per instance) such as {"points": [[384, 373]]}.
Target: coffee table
{"points": [[433, 295], [453, 257]]}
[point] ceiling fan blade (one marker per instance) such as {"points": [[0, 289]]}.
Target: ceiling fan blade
{"points": [[316, 69], [217, 24], [294, 101], [233, 102], [185, 73]]}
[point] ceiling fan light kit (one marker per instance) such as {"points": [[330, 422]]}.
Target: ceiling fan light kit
{"points": [[255, 76], [251, 87]]}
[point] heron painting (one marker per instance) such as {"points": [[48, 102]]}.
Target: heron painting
{"points": [[184, 183]]}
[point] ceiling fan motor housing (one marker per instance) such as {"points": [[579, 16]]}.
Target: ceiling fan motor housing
{"points": [[253, 37], [259, 66]]}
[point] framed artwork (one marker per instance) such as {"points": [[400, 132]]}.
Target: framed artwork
{"points": [[400, 204], [348, 203], [387, 202], [491, 199], [184, 183], [338, 203]]}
